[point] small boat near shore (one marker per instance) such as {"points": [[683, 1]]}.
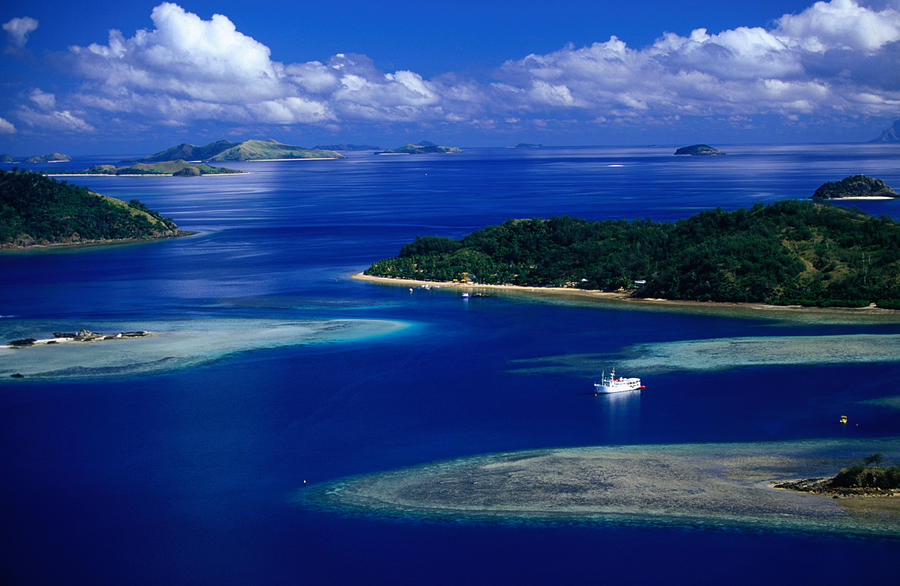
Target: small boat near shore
{"points": [[612, 384]]}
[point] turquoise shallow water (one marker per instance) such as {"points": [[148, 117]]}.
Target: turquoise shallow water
{"points": [[186, 476]]}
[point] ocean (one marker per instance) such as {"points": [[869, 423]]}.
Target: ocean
{"points": [[159, 467]]}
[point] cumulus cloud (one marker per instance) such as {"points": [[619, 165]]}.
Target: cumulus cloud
{"points": [[188, 68], [18, 29], [6, 127], [832, 58]]}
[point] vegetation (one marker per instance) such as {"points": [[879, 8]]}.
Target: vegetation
{"points": [[423, 147], [35, 209], [48, 158], [855, 186], [790, 252], [179, 168], [698, 149], [867, 474], [271, 149], [188, 152], [248, 150], [36, 158]]}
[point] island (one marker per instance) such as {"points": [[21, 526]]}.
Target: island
{"points": [[48, 158], [698, 150], [248, 150], [791, 252], [687, 485], [890, 135], [855, 187], [424, 147], [528, 145], [36, 210], [865, 478], [179, 168]]}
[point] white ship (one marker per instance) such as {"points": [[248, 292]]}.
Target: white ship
{"points": [[616, 385]]}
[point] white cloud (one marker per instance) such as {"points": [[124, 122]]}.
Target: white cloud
{"points": [[42, 99], [820, 61], [832, 58], [188, 68], [18, 29], [63, 120], [6, 127]]}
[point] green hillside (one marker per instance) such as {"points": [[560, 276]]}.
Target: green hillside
{"points": [[180, 167], [790, 252], [853, 187], [421, 148], [189, 152], [35, 209], [250, 150]]}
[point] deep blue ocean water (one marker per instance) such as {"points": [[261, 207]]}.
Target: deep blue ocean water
{"points": [[187, 477]]}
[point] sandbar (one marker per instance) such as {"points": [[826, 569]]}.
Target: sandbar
{"points": [[622, 299], [175, 344], [705, 485]]}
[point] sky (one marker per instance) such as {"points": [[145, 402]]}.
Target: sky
{"points": [[136, 77]]}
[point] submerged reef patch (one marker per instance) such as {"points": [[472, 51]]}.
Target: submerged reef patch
{"points": [[680, 484], [168, 345]]}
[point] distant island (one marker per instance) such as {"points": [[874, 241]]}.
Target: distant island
{"points": [[890, 135], [48, 158], [698, 150], [528, 145], [855, 187], [179, 168], [38, 210], [346, 147], [787, 253], [248, 150], [423, 147]]}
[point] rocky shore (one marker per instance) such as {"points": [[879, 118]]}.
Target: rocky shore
{"points": [[81, 335]]}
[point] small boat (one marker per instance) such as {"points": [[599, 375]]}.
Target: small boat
{"points": [[616, 385], [843, 419]]}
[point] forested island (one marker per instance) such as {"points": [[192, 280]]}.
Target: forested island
{"points": [[248, 150], [421, 148], [179, 168], [855, 187], [698, 150], [787, 253], [38, 210]]}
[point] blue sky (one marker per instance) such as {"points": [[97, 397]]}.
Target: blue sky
{"points": [[132, 77]]}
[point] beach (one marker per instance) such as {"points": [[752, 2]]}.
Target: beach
{"points": [[617, 298]]}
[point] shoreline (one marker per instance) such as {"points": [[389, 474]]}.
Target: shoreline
{"points": [[859, 197], [87, 243], [287, 159], [643, 302], [138, 174]]}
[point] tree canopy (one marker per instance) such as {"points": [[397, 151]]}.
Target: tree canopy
{"points": [[35, 209], [789, 252]]}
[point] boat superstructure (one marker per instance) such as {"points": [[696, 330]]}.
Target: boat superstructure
{"points": [[612, 384]]}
